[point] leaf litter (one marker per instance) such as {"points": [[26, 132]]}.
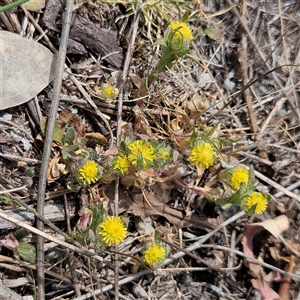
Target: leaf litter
{"points": [[25, 69], [192, 93]]}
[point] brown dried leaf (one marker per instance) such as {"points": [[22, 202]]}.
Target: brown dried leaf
{"points": [[97, 136], [111, 151], [85, 219], [146, 204], [261, 282], [65, 117], [55, 169], [137, 80], [141, 122], [214, 33], [212, 194], [23, 76], [9, 241], [35, 5]]}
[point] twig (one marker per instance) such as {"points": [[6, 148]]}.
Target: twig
{"points": [[53, 213], [47, 145], [194, 256], [51, 238], [261, 54], [40, 29], [119, 128], [25, 265], [276, 186], [14, 189], [289, 188], [246, 93], [92, 103], [124, 73], [67, 214], [286, 280], [271, 116], [231, 255], [31, 161], [242, 57]]}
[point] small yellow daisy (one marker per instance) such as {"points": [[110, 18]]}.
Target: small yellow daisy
{"points": [[155, 254], [121, 164], [140, 150], [202, 156], [185, 30], [259, 200], [89, 172], [109, 92], [164, 153], [112, 231], [239, 176]]}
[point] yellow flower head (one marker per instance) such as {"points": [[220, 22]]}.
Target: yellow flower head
{"points": [[89, 173], [164, 153], [259, 200], [140, 154], [112, 231], [202, 156], [238, 176], [109, 92], [155, 254], [121, 164], [184, 31]]}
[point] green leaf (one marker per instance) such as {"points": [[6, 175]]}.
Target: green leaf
{"points": [[12, 5], [139, 162], [27, 252], [193, 139], [68, 152], [251, 210], [100, 171], [157, 236], [57, 134], [238, 196], [251, 183], [98, 213], [9, 200], [175, 40], [73, 187], [185, 17], [69, 136], [21, 233]]}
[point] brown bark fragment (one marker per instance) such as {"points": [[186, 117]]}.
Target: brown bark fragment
{"points": [[99, 40]]}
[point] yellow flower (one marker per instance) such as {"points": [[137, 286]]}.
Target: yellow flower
{"points": [[184, 31], [238, 176], [202, 156], [89, 172], [164, 153], [259, 200], [109, 92], [121, 164], [112, 231], [140, 154], [155, 254]]}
